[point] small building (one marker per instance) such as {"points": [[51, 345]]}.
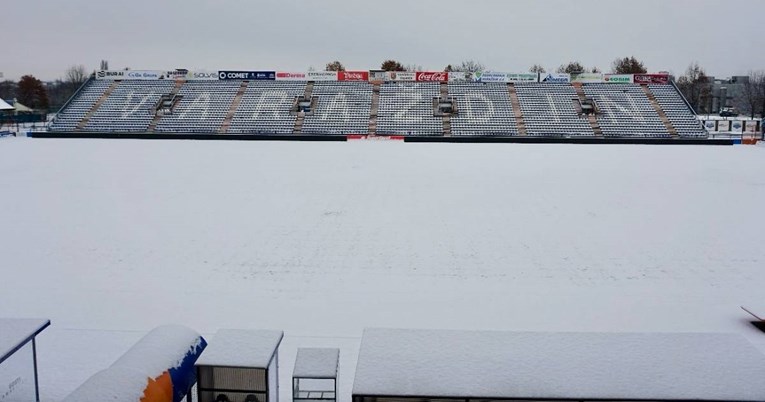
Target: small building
{"points": [[240, 365], [474, 366], [314, 378], [18, 358]]}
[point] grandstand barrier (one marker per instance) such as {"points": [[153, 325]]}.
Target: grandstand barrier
{"points": [[188, 136], [413, 139]]}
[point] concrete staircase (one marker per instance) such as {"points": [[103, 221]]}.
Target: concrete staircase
{"points": [[590, 117], [300, 119], [375, 107], [84, 122], [663, 116], [157, 115], [447, 125], [519, 123], [234, 106]]}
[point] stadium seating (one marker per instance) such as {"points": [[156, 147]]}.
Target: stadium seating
{"points": [[677, 111], [74, 113], [341, 108], [130, 108], [624, 111], [548, 110], [403, 108], [406, 108], [265, 107], [483, 109], [202, 108]]}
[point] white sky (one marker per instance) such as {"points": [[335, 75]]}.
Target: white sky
{"points": [[725, 37]]}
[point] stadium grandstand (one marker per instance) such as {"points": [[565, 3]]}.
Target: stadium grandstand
{"points": [[427, 104]]}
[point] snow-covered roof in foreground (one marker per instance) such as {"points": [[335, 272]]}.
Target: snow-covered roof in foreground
{"points": [[241, 348], [15, 332], [5, 106], [316, 363], [651, 366]]}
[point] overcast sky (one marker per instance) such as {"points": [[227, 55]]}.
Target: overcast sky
{"points": [[47, 36]]}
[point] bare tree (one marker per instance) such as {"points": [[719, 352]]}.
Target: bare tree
{"points": [[754, 93], [76, 75], [412, 67], [335, 66], [467, 66], [595, 70], [104, 64], [695, 86], [628, 65], [536, 68]]}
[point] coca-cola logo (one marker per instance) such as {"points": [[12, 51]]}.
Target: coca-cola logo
{"points": [[433, 76]]}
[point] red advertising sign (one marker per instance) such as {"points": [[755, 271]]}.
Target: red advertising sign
{"points": [[281, 75], [353, 75], [651, 79], [432, 76]]}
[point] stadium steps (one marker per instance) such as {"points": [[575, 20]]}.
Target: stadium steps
{"points": [[374, 109], [233, 108], [663, 116], [592, 118], [300, 119], [157, 115], [81, 125], [516, 104], [447, 119]]}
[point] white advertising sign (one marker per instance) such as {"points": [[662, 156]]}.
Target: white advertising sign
{"points": [[321, 76], [202, 75], [401, 76]]}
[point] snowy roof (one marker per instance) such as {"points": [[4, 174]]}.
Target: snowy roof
{"points": [[316, 363], [5, 106], [116, 384], [160, 349], [241, 348], [16, 332], [528, 365]]}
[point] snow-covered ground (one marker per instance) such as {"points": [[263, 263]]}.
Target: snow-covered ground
{"points": [[110, 238]]}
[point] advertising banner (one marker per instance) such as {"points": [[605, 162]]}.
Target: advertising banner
{"points": [[651, 79], [751, 127], [710, 125], [144, 75], [401, 76], [457, 76], [431, 76], [523, 77], [175, 74], [619, 78], [587, 78], [737, 126], [353, 75], [321, 76], [202, 75], [555, 77], [489, 76], [723, 126], [247, 75], [287, 76], [110, 75]]}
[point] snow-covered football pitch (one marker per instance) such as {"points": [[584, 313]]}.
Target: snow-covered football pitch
{"points": [[110, 238]]}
